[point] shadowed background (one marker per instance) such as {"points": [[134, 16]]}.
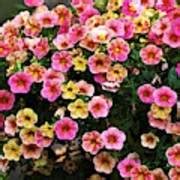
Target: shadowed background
{"points": [[9, 8]]}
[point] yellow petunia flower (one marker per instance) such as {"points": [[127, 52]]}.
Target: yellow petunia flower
{"points": [[70, 90], [160, 112], [12, 150], [114, 5], [149, 13], [117, 73], [78, 109], [110, 15], [27, 135], [80, 64], [26, 118], [47, 130], [142, 24]]}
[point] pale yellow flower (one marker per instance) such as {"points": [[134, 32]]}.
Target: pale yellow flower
{"points": [[80, 64], [78, 109], [160, 112], [70, 90], [26, 118], [12, 150]]}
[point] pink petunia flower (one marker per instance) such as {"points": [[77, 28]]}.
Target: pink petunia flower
{"points": [[64, 15], [85, 88], [92, 142], [4, 49], [88, 43], [145, 93], [99, 107], [61, 61], [51, 90], [20, 82], [131, 8], [77, 2], [77, 32], [141, 172], [125, 167], [158, 123], [66, 129], [173, 128], [151, 54], [157, 39], [173, 154], [47, 19], [160, 26], [63, 42], [51, 74], [88, 12], [116, 26], [40, 48], [165, 97], [174, 173], [171, 39], [10, 125], [41, 140], [33, 3], [7, 100], [101, 34], [113, 138], [118, 50], [165, 5], [2, 121], [31, 151], [99, 63], [129, 28], [147, 3]]}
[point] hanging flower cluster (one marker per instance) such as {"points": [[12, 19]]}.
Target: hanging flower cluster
{"points": [[86, 86]]}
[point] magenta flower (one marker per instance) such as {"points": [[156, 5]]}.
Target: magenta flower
{"points": [[173, 154], [176, 26], [7, 100], [126, 165], [129, 28], [165, 97], [131, 8], [66, 129], [118, 50], [77, 32], [165, 5], [40, 48], [51, 90], [20, 82], [99, 107], [92, 142], [87, 13], [116, 26], [113, 138], [33, 3], [61, 61], [145, 93], [99, 63], [151, 54]]}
